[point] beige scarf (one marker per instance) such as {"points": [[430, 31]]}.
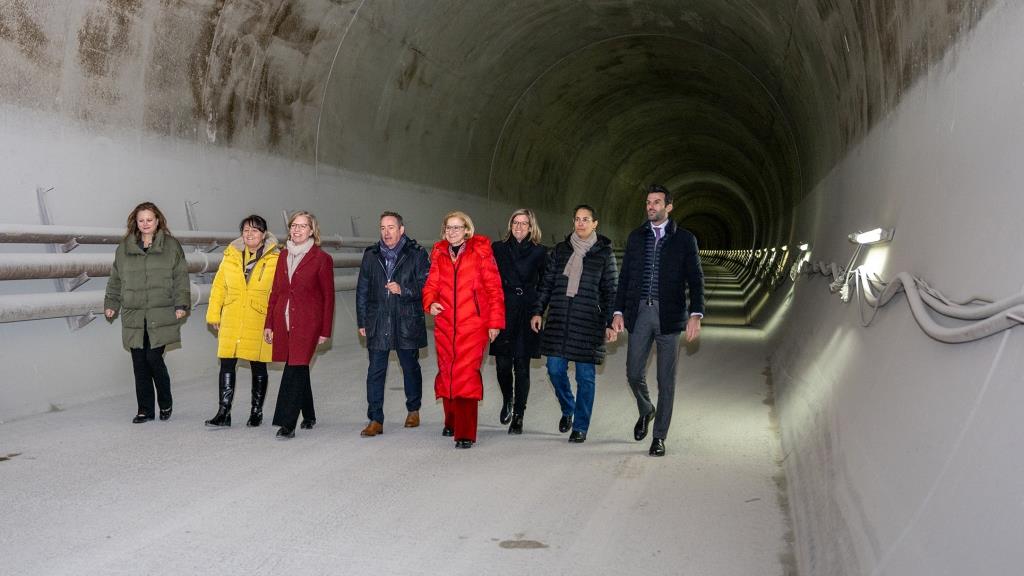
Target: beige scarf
{"points": [[295, 254], [574, 267]]}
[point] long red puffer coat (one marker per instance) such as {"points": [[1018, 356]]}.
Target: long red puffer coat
{"points": [[470, 291]]}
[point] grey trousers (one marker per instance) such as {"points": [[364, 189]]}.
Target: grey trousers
{"points": [[645, 333]]}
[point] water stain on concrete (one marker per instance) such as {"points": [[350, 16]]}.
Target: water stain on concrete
{"points": [[18, 26]]}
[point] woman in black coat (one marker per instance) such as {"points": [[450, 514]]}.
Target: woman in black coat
{"points": [[578, 293], [521, 261]]}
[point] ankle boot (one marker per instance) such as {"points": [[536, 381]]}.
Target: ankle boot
{"points": [[227, 394], [516, 427], [259, 394]]}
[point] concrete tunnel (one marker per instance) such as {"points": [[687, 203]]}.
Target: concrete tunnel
{"points": [[877, 442]]}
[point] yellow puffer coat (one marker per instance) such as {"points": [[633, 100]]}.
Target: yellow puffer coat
{"points": [[239, 307]]}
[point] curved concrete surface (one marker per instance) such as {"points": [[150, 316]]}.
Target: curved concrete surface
{"points": [[776, 122]]}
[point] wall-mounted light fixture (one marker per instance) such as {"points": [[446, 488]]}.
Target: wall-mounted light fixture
{"points": [[872, 236], [804, 247]]}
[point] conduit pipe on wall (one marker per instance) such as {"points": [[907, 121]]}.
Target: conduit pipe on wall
{"points": [[21, 307], [72, 236], [1003, 314], [42, 266]]}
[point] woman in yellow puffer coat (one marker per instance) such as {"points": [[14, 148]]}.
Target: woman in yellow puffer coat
{"points": [[238, 311]]}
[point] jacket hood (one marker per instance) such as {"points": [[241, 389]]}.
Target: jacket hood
{"points": [[270, 241], [475, 243]]}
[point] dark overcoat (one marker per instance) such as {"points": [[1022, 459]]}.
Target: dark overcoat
{"points": [[575, 327], [678, 273], [522, 270], [393, 321]]}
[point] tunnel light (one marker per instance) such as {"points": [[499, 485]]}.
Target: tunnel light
{"points": [[785, 248], [872, 236], [804, 247]]}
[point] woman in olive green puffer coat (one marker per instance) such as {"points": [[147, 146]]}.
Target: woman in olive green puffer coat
{"points": [[149, 286]]}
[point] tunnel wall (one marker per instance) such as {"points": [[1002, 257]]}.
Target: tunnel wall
{"points": [[99, 175], [903, 453]]}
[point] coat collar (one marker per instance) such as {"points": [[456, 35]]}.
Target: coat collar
{"points": [[156, 247], [269, 244]]}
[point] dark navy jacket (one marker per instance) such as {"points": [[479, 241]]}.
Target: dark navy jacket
{"points": [[393, 322], [679, 272]]}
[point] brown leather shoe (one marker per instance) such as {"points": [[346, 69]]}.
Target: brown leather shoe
{"points": [[372, 429], [413, 419]]}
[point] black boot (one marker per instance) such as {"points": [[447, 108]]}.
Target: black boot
{"points": [[516, 427], [227, 394], [259, 394]]}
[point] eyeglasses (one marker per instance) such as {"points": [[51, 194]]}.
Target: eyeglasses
{"points": [[583, 220], [519, 224], [454, 228], [299, 225]]}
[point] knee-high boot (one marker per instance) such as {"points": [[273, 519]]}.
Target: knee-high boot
{"points": [[259, 394], [226, 391]]}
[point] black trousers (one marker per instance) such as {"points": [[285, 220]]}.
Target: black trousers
{"points": [[150, 371], [228, 365], [514, 381], [295, 395]]}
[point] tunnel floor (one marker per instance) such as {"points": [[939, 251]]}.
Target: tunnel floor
{"points": [[84, 491]]}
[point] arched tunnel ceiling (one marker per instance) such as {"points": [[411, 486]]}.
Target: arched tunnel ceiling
{"points": [[536, 102]]}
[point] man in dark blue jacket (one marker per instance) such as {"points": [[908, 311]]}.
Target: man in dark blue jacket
{"points": [[659, 266], [390, 316]]}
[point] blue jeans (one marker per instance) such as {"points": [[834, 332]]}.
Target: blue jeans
{"points": [[582, 405], [377, 373]]}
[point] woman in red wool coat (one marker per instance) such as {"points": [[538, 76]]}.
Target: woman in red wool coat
{"points": [[300, 316], [463, 294]]}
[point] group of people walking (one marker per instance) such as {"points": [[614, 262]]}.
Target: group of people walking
{"points": [[276, 304]]}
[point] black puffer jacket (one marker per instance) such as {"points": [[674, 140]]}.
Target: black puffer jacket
{"points": [[393, 322], [522, 269], [575, 327]]}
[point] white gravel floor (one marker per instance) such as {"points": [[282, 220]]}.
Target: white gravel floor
{"points": [[84, 491]]}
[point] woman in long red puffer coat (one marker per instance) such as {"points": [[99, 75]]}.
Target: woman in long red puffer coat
{"points": [[463, 294]]}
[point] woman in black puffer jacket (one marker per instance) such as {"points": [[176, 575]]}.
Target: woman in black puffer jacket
{"points": [[578, 292]]}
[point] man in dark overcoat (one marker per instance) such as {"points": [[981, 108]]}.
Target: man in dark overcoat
{"points": [[390, 317], [659, 267]]}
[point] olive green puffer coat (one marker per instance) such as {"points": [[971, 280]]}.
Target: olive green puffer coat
{"points": [[146, 286]]}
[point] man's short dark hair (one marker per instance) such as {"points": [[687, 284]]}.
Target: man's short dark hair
{"points": [[394, 215], [659, 189], [588, 208]]}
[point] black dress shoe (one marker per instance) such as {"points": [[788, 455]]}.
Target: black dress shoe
{"points": [[165, 414], [308, 424], [285, 433], [140, 418], [642, 426], [505, 416], [565, 424], [446, 431], [657, 447], [516, 427], [577, 437], [463, 444]]}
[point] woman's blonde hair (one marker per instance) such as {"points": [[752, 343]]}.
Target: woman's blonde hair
{"points": [[535, 233], [470, 229], [312, 223]]}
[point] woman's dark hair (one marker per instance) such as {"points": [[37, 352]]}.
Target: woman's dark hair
{"points": [[133, 226], [588, 208], [255, 221]]}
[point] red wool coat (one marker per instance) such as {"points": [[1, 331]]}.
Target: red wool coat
{"points": [[470, 291], [309, 296]]}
